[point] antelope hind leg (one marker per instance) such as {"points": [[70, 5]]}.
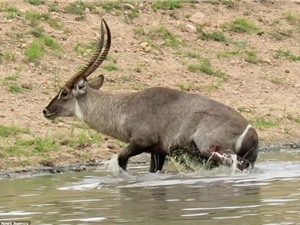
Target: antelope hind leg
{"points": [[157, 162]]}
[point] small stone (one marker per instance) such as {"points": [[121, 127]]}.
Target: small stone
{"points": [[267, 61], [297, 85], [191, 27], [82, 167], [286, 71], [144, 44], [199, 19]]}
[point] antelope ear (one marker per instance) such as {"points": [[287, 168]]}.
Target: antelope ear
{"points": [[96, 83], [80, 88]]}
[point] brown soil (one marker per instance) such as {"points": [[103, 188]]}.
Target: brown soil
{"points": [[268, 89]]}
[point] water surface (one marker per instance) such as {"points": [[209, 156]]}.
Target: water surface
{"points": [[269, 194]]}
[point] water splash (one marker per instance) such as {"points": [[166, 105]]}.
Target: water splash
{"points": [[113, 167], [191, 166]]}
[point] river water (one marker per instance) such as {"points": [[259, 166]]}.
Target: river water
{"points": [[269, 194]]}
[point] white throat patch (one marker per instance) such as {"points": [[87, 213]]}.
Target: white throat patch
{"points": [[78, 111]]}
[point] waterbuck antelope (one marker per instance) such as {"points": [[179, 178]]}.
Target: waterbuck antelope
{"points": [[156, 119]]}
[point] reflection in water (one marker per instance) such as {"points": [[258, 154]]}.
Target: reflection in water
{"points": [[172, 204], [268, 195]]}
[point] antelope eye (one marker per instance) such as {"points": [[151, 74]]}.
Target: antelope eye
{"points": [[64, 93]]}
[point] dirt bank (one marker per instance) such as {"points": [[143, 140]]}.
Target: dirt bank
{"points": [[242, 53]]}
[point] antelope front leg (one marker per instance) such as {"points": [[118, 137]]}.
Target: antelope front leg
{"points": [[131, 150]]}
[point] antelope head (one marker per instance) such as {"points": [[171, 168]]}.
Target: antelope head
{"points": [[64, 103]]}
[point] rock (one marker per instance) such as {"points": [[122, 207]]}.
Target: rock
{"points": [[199, 19], [267, 61], [191, 27], [297, 85], [144, 44], [286, 71]]}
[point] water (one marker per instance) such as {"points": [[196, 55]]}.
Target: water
{"points": [[270, 194]]}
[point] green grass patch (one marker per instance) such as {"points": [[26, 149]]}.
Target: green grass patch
{"points": [[137, 69], [164, 36], [205, 66], [110, 67], [86, 48], [12, 12], [297, 120], [228, 53], [251, 57], [240, 44], [111, 5], [34, 51], [281, 34], [166, 4], [214, 36], [37, 32], [6, 131], [79, 8], [241, 25], [45, 144], [159, 36], [24, 147], [53, 7], [286, 54], [84, 137], [185, 87], [50, 42], [15, 88], [292, 18], [36, 17], [127, 7], [7, 57], [227, 3], [35, 2], [263, 123], [194, 55], [213, 2], [274, 80], [139, 31], [10, 82]]}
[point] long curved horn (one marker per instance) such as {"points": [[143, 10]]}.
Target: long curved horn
{"points": [[95, 61], [101, 57]]}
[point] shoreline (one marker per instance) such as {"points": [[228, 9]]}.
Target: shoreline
{"points": [[15, 173]]}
